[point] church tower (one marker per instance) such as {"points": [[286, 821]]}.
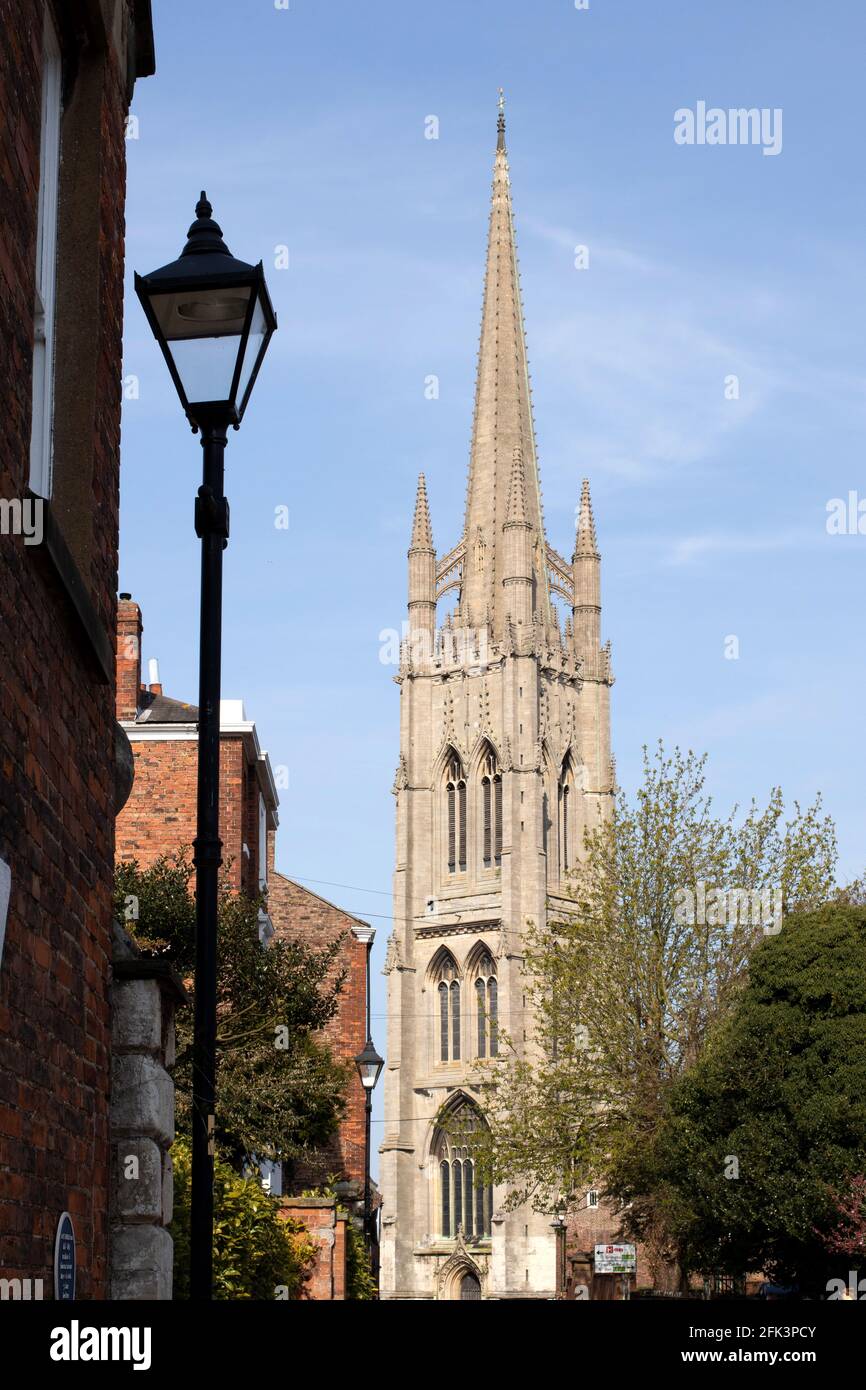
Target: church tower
{"points": [[504, 758]]}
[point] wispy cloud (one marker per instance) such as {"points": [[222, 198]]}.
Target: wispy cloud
{"points": [[689, 549]]}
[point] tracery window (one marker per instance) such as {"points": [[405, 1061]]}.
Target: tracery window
{"points": [[491, 811], [448, 992], [455, 796], [465, 1201], [486, 1008]]}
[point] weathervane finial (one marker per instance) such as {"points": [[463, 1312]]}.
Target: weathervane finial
{"points": [[500, 124], [501, 99]]}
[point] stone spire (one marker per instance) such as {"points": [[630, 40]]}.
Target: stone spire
{"points": [[502, 421], [422, 576]]}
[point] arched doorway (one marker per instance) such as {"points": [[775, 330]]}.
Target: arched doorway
{"points": [[470, 1287]]}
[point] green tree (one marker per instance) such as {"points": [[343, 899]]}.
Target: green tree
{"points": [[669, 902], [256, 1253], [281, 1093], [766, 1130]]}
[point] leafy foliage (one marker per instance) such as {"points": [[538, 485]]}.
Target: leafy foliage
{"points": [[625, 989], [360, 1283], [848, 1235], [280, 1091], [782, 1091], [257, 1255]]}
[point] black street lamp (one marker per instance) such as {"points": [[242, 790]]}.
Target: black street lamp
{"points": [[213, 319], [558, 1225], [369, 1065]]}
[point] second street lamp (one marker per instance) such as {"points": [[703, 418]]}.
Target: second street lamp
{"points": [[213, 319], [369, 1065]]}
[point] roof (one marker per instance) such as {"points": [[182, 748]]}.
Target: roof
{"points": [[326, 901], [160, 709]]}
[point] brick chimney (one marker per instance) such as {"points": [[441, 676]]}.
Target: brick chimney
{"points": [[128, 658]]}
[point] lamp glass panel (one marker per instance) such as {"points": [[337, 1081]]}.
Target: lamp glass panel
{"points": [[258, 329], [206, 366]]}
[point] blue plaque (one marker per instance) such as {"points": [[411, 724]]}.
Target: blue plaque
{"points": [[64, 1260]]}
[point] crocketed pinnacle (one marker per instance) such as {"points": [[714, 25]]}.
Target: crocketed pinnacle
{"points": [[516, 512], [586, 543], [422, 532]]}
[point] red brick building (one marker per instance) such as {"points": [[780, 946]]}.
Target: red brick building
{"points": [[159, 818], [66, 77], [300, 914]]}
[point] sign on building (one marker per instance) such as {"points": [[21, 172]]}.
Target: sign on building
{"points": [[64, 1260]]}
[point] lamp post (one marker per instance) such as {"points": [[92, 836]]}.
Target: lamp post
{"points": [[369, 1065], [213, 320], [558, 1225]]}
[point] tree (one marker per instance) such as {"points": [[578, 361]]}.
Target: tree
{"points": [[848, 1235], [257, 1254], [281, 1093], [669, 902], [769, 1126]]}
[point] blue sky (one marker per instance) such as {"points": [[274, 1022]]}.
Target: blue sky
{"points": [[306, 126]]}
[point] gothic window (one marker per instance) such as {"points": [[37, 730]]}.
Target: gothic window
{"points": [[491, 811], [566, 817], [455, 795], [486, 1007], [448, 994], [465, 1201]]}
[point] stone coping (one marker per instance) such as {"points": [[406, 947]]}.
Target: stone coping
{"points": [[145, 968]]}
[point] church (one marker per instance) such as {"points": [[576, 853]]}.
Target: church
{"points": [[505, 757]]}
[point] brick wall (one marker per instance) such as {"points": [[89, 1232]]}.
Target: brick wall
{"points": [[57, 703], [301, 915], [327, 1278], [128, 664], [159, 817]]}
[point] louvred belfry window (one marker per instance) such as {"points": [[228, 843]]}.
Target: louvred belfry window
{"points": [[455, 794], [486, 1008], [448, 994], [566, 808], [491, 811]]}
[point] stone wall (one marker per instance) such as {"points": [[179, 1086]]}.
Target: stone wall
{"points": [[145, 996]]}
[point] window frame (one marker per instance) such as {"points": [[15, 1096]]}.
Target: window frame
{"points": [[263, 843], [45, 275]]}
